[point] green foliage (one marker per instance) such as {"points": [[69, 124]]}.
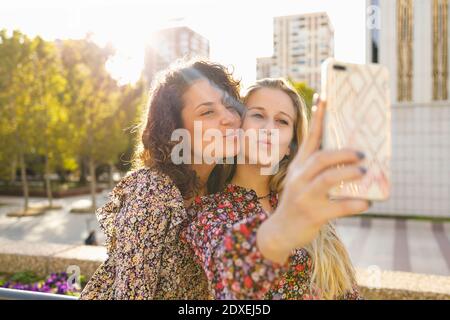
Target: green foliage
{"points": [[306, 92], [25, 277], [58, 104]]}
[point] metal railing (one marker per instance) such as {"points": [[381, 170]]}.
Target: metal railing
{"points": [[14, 294]]}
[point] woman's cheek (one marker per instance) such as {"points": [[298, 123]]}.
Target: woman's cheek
{"points": [[286, 137], [246, 123], [238, 122]]}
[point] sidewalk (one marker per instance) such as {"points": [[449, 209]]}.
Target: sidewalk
{"points": [[56, 226], [397, 244]]}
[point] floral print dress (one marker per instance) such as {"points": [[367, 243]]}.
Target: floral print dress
{"points": [[142, 222], [223, 237]]}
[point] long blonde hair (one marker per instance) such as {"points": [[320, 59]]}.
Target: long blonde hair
{"points": [[332, 271]]}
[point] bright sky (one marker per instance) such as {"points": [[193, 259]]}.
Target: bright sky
{"points": [[239, 31]]}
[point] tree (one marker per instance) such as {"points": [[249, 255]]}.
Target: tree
{"points": [[131, 105], [51, 115], [92, 95], [59, 105], [16, 77], [306, 92]]}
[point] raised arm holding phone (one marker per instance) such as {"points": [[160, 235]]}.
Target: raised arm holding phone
{"points": [[304, 205]]}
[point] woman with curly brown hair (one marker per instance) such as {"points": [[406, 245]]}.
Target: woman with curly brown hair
{"points": [[146, 210]]}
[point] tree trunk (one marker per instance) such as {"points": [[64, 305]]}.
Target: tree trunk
{"points": [[23, 174], [111, 180], [93, 183], [48, 186], [13, 170], [82, 179]]}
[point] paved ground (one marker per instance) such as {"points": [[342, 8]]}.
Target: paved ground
{"points": [[388, 244], [397, 244], [57, 226]]}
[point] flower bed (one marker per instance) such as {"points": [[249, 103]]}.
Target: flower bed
{"points": [[56, 283]]}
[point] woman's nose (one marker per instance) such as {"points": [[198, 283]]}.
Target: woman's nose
{"points": [[269, 125]]}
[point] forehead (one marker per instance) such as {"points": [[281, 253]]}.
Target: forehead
{"points": [[273, 100], [201, 91]]}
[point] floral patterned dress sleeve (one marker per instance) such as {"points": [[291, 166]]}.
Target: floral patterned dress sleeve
{"points": [[354, 294], [143, 208], [100, 285], [225, 245]]}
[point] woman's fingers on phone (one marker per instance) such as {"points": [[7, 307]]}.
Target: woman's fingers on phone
{"points": [[325, 159], [348, 207], [315, 135], [315, 99], [334, 176]]}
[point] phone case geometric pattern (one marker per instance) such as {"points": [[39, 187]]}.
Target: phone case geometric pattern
{"points": [[358, 116]]}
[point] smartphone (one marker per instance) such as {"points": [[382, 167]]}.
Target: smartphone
{"points": [[358, 116]]}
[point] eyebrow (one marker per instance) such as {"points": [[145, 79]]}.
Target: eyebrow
{"points": [[263, 109], [208, 103], [211, 103]]}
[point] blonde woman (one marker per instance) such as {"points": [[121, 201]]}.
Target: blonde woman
{"points": [[268, 236]]}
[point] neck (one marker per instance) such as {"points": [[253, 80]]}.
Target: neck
{"points": [[203, 171], [250, 177]]}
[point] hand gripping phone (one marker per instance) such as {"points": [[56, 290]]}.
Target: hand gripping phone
{"points": [[358, 116]]}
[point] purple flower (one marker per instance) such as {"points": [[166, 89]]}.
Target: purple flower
{"points": [[45, 288], [55, 282]]}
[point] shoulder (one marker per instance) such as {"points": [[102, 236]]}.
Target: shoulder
{"points": [[228, 195], [150, 199], [217, 208], [143, 175], [209, 202], [149, 182], [145, 192], [230, 198]]}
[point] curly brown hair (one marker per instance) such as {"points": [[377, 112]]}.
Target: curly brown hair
{"points": [[163, 116]]}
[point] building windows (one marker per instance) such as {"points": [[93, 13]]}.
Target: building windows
{"points": [[404, 49], [440, 49], [299, 44], [297, 55], [375, 38]]}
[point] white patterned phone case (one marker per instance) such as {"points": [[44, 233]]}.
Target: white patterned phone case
{"points": [[358, 116]]}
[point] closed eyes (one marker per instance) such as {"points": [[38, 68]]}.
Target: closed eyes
{"points": [[260, 116], [206, 113]]}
